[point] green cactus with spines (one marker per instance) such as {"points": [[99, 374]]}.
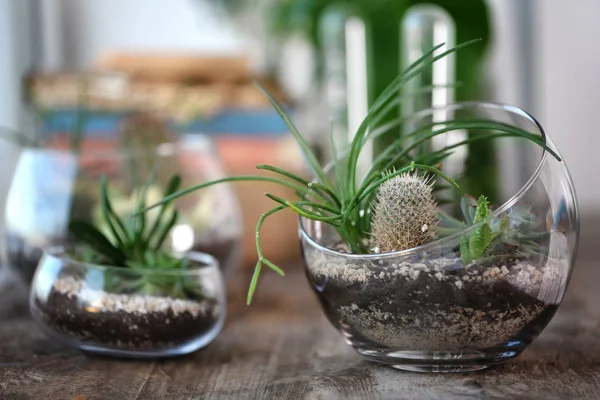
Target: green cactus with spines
{"points": [[404, 213]]}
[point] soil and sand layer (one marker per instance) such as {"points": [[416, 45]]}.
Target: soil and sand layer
{"points": [[125, 321], [434, 303]]}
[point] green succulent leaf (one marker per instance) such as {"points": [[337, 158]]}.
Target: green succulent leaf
{"points": [[481, 211], [90, 235], [465, 250], [480, 240], [475, 244]]}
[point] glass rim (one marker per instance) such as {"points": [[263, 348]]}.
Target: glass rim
{"points": [[497, 212], [205, 260]]}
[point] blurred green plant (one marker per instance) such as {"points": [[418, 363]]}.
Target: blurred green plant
{"points": [[136, 243]]}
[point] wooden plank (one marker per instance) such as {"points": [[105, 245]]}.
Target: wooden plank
{"points": [[283, 348]]}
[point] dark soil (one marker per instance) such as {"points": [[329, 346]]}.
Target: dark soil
{"points": [[121, 329], [422, 307]]}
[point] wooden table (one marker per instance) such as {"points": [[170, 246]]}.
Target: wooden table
{"points": [[283, 348]]}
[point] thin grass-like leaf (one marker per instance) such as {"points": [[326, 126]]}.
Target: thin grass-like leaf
{"points": [[503, 131], [89, 234], [308, 153], [112, 220], [172, 186], [476, 138], [320, 190], [392, 89], [258, 267], [254, 281], [246, 178], [336, 164], [164, 232], [140, 217], [274, 267], [300, 210]]}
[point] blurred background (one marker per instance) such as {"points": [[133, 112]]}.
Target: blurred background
{"points": [[191, 64]]}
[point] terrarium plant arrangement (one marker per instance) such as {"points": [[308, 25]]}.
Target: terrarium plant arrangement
{"points": [[119, 290], [412, 279]]}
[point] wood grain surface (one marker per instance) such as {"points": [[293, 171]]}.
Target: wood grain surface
{"points": [[283, 348]]}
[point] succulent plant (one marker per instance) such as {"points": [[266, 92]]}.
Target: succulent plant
{"points": [[404, 213], [136, 242], [476, 244], [516, 230]]}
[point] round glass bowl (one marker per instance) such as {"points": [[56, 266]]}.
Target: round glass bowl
{"points": [[432, 309], [51, 187], [127, 312]]}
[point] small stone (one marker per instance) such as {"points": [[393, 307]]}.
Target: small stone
{"points": [[458, 284]]}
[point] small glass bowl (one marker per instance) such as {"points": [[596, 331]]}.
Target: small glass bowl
{"points": [[426, 309], [125, 312]]}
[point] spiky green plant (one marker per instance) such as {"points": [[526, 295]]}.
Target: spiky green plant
{"points": [[474, 245], [135, 243], [339, 199], [404, 213], [487, 235]]}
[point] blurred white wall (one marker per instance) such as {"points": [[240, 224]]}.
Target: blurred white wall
{"points": [[568, 82], [16, 58], [92, 27]]}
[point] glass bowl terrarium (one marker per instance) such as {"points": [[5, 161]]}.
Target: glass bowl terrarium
{"points": [[51, 186], [129, 312], [417, 264], [118, 290], [468, 291]]}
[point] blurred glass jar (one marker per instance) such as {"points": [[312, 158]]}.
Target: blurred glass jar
{"points": [[50, 187], [129, 312], [436, 308]]}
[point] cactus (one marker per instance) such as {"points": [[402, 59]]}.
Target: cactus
{"points": [[404, 214]]}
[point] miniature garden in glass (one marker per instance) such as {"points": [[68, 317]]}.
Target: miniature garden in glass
{"points": [[415, 267]]}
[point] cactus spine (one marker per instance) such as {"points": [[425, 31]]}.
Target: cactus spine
{"points": [[404, 214]]}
